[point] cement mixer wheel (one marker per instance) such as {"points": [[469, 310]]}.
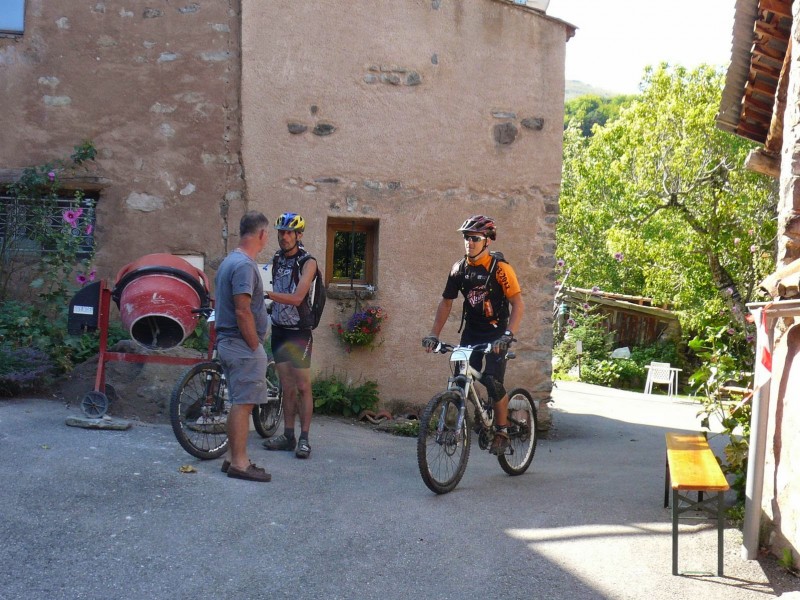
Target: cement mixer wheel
{"points": [[94, 404]]}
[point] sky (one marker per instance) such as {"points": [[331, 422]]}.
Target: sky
{"points": [[617, 39]]}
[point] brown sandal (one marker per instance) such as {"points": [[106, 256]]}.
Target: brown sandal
{"points": [[251, 473]]}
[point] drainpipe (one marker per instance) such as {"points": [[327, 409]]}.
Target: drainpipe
{"points": [[758, 442]]}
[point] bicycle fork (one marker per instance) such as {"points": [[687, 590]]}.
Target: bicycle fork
{"points": [[446, 436]]}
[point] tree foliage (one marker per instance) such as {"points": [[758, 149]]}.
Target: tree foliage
{"points": [[657, 202], [590, 109]]}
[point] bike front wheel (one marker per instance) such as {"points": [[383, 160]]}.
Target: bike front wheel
{"points": [[198, 411], [267, 416], [522, 433], [442, 446]]}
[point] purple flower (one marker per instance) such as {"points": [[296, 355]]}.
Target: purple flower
{"points": [[753, 248], [89, 229], [51, 175], [586, 306], [729, 291], [618, 256], [560, 262], [81, 278], [92, 275], [749, 338], [595, 290], [731, 331], [71, 216], [571, 322]]}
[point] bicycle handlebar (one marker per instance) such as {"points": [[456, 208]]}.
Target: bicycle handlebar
{"points": [[486, 348]]}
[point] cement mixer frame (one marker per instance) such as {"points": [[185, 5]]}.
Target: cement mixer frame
{"points": [[159, 297], [95, 403]]}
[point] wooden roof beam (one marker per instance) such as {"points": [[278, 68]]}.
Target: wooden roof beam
{"points": [[768, 70], [772, 30], [762, 48], [762, 162], [779, 7], [752, 131], [757, 84]]}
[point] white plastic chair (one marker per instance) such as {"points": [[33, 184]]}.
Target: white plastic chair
{"points": [[658, 372]]}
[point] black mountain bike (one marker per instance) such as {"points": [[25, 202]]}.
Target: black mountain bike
{"points": [[199, 406], [447, 423]]}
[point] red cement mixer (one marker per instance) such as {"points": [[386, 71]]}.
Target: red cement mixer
{"points": [[158, 296]]}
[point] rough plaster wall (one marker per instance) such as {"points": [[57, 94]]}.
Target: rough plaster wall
{"points": [[782, 472], [439, 110], [156, 87], [789, 203], [782, 475]]}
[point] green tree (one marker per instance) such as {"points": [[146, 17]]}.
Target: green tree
{"points": [[658, 203], [590, 109]]}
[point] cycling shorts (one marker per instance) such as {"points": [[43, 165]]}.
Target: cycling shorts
{"points": [[292, 346]]}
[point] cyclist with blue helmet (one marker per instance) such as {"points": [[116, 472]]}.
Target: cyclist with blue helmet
{"points": [[293, 274]]}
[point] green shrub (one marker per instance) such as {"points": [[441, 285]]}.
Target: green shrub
{"points": [[724, 356], [588, 328], [334, 396], [25, 331], [600, 372], [23, 369]]}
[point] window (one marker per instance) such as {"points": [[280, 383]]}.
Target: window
{"points": [[12, 16], [18, 222], [352, 252]]}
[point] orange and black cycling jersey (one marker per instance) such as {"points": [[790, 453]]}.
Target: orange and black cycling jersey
{"points": [[485, 306]]}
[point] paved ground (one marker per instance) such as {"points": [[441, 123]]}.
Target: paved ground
{"points": [[107, 514]]}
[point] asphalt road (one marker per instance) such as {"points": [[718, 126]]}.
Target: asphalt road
{"points": [[108, 514]]}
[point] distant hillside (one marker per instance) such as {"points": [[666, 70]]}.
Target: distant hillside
{"points": [[573, 89]]}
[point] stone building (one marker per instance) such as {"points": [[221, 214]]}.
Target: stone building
{"points": [[761, 102], [385, 127]]}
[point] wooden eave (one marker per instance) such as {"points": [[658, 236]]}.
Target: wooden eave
{"points": [[635, 304], [569, 28], [753, 98]]}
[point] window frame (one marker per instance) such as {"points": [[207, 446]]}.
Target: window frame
{"points": [[23, 246], [5, 30], [353, 225]]}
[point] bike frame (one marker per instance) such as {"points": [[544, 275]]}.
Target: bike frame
{"points": [[462, 382]]}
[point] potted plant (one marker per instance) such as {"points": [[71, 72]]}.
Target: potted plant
{"points": [[361, 329]]}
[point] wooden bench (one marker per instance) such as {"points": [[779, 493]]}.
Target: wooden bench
{"points": [[692, 467]]}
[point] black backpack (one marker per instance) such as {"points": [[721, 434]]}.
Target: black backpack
{"points": [[502, 311], [310, 311]]}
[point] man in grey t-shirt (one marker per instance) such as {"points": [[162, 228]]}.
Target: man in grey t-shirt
{"points": [[241, 323]]}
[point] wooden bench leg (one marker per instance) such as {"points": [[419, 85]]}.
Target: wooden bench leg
{"points": [[666, 483], [674, 532], [720, 531]]}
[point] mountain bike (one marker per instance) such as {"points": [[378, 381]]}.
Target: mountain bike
{"points": [[199, 405], [447, 423]]}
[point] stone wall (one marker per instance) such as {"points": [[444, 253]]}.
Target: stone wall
{"points": [[156, 87], [782, 471], [417, 114]]}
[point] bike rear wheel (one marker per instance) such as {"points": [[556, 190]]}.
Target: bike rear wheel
{"points": [[443, 447], [198, 411], [267, 416], [522, 433]]}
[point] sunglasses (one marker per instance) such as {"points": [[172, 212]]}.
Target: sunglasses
{"points": [[473, 238]]}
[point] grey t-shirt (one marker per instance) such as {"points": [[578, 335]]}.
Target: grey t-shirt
{"points": [[238, 274]]}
